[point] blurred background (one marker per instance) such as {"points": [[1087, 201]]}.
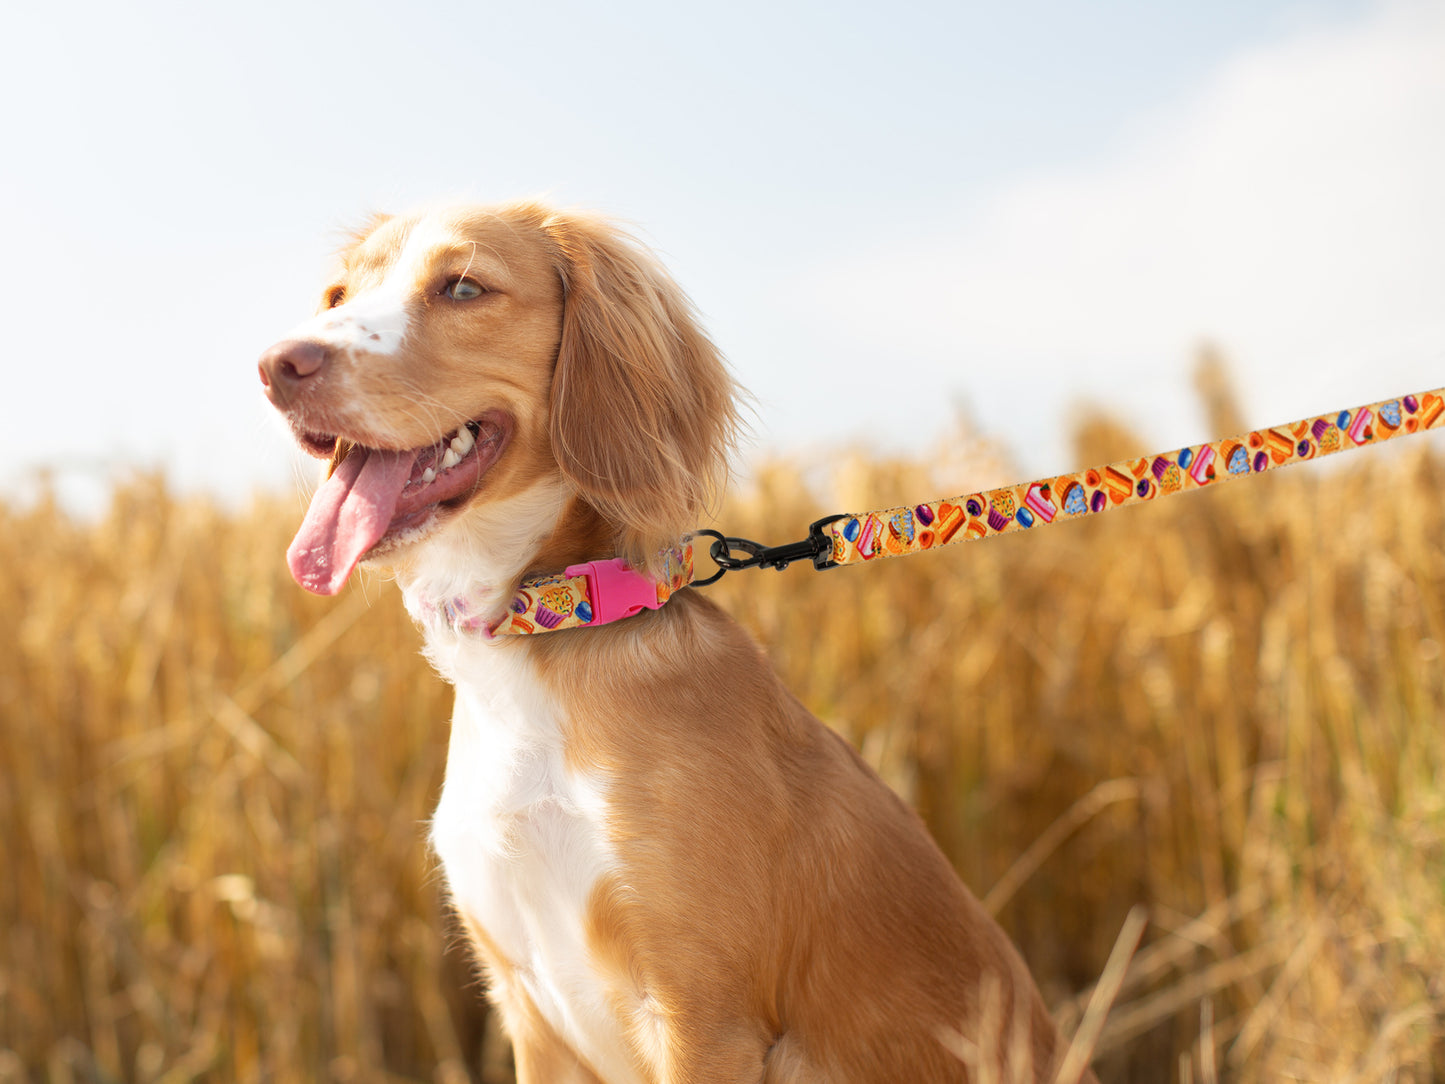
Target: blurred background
{"points": [[946, 247]]}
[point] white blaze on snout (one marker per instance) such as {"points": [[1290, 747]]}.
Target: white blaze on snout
{"points": [[376, 320], [374, 323]]}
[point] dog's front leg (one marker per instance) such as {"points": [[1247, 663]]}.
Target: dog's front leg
{"points": [[550, 1064], [715, 1051], [541, 1055]]}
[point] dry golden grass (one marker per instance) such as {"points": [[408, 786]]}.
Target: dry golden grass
{"points": [[1224, 710]]}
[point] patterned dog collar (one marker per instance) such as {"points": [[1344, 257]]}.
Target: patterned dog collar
{"points": [[591, 594]]}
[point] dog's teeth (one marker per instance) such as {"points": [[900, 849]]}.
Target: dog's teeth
{"points": [[451, 459], [463, 441], [428, 475]]}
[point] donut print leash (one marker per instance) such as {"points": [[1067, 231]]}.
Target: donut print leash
{"points": [[603, 591], [895, 531]]}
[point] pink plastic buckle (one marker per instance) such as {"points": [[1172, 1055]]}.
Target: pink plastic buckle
{"points": [[617, 591]]}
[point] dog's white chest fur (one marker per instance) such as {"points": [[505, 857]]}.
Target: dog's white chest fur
{"points": [[521, 837]]}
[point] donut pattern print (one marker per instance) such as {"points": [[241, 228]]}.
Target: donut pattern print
{"points": [[555, 602], [898, 531]]}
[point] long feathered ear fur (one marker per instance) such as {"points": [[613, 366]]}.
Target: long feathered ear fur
{"points": [[644, 412]]}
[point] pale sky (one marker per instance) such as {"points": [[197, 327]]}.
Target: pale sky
{"points": [[881, 213]]}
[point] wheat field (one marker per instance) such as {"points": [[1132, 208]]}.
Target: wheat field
{"points": [[1222, 714]]}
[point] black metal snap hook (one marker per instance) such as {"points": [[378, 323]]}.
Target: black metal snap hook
{"points": [[817, 548]]}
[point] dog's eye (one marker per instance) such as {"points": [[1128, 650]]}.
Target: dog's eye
{"points": [[464, 289], [335, 296]]}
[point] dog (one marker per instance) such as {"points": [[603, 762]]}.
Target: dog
{"points": [[669, 869]]}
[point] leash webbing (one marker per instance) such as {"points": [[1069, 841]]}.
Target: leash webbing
{"points": [[896, 531], [603, 591]]}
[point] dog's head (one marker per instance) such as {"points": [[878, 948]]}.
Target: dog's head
{"points": [[471, 366]]}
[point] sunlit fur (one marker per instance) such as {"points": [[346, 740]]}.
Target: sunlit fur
{"points": [[753, 903]]}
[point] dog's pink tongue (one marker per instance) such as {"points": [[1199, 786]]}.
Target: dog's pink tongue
{"points": [[348, 515]]}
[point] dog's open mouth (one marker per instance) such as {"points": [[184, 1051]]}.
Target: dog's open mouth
{"points": [[376, 496]]}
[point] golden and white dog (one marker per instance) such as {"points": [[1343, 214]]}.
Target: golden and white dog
{"points": [[670, 869]]}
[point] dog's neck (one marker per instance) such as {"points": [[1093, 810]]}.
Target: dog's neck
{"points": [[461, 582]]}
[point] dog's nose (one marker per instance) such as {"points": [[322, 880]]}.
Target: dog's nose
{"points": [[287, 366]]}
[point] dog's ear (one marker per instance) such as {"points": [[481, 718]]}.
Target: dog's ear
{"points": [[644, 412]]}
